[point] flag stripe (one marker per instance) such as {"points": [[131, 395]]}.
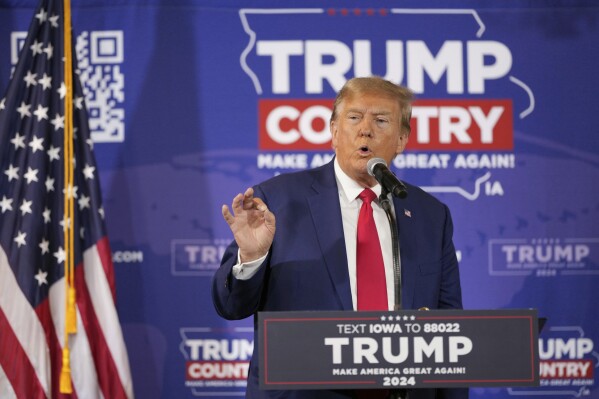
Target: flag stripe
{"points": [[6, 390], [103, 249], [23, 333], [13, 359], [104, 362], [98, 284]]}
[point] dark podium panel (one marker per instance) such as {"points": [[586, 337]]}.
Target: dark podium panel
{"points": [[418, 349]]}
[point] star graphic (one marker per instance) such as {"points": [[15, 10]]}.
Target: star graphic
{"points": [[25, 207], [88, 171], [65, 223], [41, 278], [62, 90], [24, 110], [101, 211], [31, 175], [58, 122], [78, 102], [36, 144], [18, 140], [41, 16], [90, 142], [6, 204], [36, 47], [20, 239], [82, 232], [2, 106], [30, 79], [12, 172], [49, 50], [53, 153], [70, 191], [54, 21], [84, 202], [41, 112], [60, 255], [49, 184], [45, 246], [46, 215], [45, 81]]}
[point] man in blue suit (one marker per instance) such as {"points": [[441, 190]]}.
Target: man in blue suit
{"points": [[295, 234]]}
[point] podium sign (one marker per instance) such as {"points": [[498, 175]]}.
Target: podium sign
{"points": [[418, 349]]}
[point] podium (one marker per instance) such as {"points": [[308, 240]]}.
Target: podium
{"points": [[401, 349]]}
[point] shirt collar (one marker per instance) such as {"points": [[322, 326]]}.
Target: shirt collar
{"points": [[348, 186]]}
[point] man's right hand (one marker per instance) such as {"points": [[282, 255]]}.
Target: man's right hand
{"points": [[252, 224]]}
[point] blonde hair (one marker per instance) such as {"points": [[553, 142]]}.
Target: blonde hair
{"points": [[378, 85]]}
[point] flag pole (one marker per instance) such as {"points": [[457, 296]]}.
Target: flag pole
{"points": [[69, 213]]}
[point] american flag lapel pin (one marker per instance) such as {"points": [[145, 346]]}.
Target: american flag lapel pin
{"points": [[407, 213]]}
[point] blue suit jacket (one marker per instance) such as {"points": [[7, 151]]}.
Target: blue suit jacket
{"points": [[306, 268]]}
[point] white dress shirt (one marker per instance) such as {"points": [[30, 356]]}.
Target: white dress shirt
{"points": [[350, 210]]}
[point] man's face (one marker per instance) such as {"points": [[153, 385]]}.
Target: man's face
{"points": [[367, 126]]}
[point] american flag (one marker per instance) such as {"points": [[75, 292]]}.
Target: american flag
{"points": [[32, 234]]}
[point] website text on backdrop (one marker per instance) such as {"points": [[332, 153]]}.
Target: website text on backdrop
{"points": [[298, 241]]}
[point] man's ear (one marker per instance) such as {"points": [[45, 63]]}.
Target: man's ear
{"points": [[401, 143], [333, 128]]}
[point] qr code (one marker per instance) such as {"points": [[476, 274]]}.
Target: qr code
{"points": [[100, 57]]}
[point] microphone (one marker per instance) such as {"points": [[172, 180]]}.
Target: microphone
{"points": [[377, 167]]}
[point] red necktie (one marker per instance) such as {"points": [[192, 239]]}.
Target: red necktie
{"points": [[370, 269]]}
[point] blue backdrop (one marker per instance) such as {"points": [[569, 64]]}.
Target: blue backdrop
{"points": [[193, 101]]}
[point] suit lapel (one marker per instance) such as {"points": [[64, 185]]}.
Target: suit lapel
{"points": [[407, 248], [326, 215]]}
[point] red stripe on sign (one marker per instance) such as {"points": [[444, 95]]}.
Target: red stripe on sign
{"points": [[43, 313], [108, 377], [437, 125], [217, 370], [16, 364], [462, 125], [566, 369], [290, 125]]}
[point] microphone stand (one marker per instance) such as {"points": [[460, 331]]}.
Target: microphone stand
{"points": [[386, 205]]}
